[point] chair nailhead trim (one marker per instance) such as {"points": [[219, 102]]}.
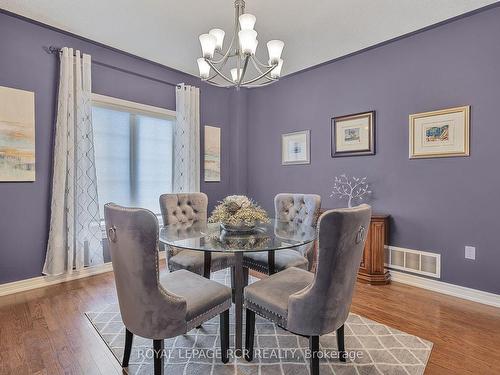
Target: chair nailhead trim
{"points": [[209, 314], [217, 265], [275, 317], [250, 263]]}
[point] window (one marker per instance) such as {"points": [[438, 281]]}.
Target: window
{"points": [[133, 152]]}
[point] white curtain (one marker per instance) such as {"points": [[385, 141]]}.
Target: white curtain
{"points": [[187, 139], [75, 238]]}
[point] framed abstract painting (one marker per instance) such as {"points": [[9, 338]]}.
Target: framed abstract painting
{"points": [[353, 135], [17, 135], [295, 148], [438, 134], [212, 153]]}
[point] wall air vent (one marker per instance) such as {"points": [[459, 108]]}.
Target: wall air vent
{"points": [[415, 261]]}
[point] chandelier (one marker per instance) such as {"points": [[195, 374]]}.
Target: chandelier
{"points": [[239, 55]]}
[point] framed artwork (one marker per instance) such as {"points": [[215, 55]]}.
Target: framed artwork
{"points": [[17, 135], [212, 153], [295, 148], [439, 134], [353, 135]]}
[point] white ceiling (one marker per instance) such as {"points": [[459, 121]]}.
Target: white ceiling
{"points": [[166, 31]]}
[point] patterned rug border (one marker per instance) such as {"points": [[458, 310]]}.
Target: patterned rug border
{"points": [[400, 358], [103, 339]]}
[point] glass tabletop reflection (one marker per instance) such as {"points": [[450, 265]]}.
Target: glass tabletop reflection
{"points": [[210, 237]]}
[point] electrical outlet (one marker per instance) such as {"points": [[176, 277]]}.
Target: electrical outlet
{"points": [[470, 252]]}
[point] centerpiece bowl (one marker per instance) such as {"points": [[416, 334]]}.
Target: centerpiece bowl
{"points": [[242, 228], [238, 214]]}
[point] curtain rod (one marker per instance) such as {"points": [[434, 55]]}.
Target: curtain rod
{"points": [[54, 50]]}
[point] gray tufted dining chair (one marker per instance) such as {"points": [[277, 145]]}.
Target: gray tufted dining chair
{"points": [[310, 304], [189, 208], [293, 208], [158, 306]]}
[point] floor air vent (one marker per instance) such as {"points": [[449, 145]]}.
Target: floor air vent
{"points": [[415, 261]]}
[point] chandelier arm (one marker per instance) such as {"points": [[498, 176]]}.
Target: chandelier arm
{"points": [[220, 66], [264, 75], [256, 61], [219, 72], [245, 65], [222, 63], [209, 79], [213, 83], [228, 52], [257, 68], [264, 65], [224, 57], [271, 79]]}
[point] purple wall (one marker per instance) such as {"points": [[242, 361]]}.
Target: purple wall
{"points": [[438, 205], [24, 207]]}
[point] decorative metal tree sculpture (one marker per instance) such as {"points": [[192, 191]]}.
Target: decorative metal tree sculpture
{"points": [[350, 188]]}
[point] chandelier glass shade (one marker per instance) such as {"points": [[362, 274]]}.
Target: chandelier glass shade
{"points": [[239, 58]]}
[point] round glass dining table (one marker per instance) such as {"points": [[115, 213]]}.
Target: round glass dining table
{"points": [[210, 237]]}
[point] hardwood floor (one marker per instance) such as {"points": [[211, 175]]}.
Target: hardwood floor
{"points": [[44, 331]]}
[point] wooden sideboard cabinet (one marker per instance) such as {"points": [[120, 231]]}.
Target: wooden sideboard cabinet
{"points": [[372, 270]]}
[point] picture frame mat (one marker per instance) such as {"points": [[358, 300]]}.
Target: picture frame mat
{"points": [[464, 112], [369, 150], [284, 151]]}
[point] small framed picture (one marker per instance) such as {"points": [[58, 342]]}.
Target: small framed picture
{"points": [[353, 135], [439, 134], [295, 148]]}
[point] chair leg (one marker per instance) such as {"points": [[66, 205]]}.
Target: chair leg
{"points": [[314, 360], [341, 344], [158, 356], [207, 264], [271, 262], [249, 335], [129, 337], [245, 276], [224, 335], [233, 278]]}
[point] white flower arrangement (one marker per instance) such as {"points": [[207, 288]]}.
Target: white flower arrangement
{"points": [[237, 211]]}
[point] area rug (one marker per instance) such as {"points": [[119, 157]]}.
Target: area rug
{"points": [[373, 348]]}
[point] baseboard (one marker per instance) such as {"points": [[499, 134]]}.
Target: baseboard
{"points": [[43, 281], [470, 294]]}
